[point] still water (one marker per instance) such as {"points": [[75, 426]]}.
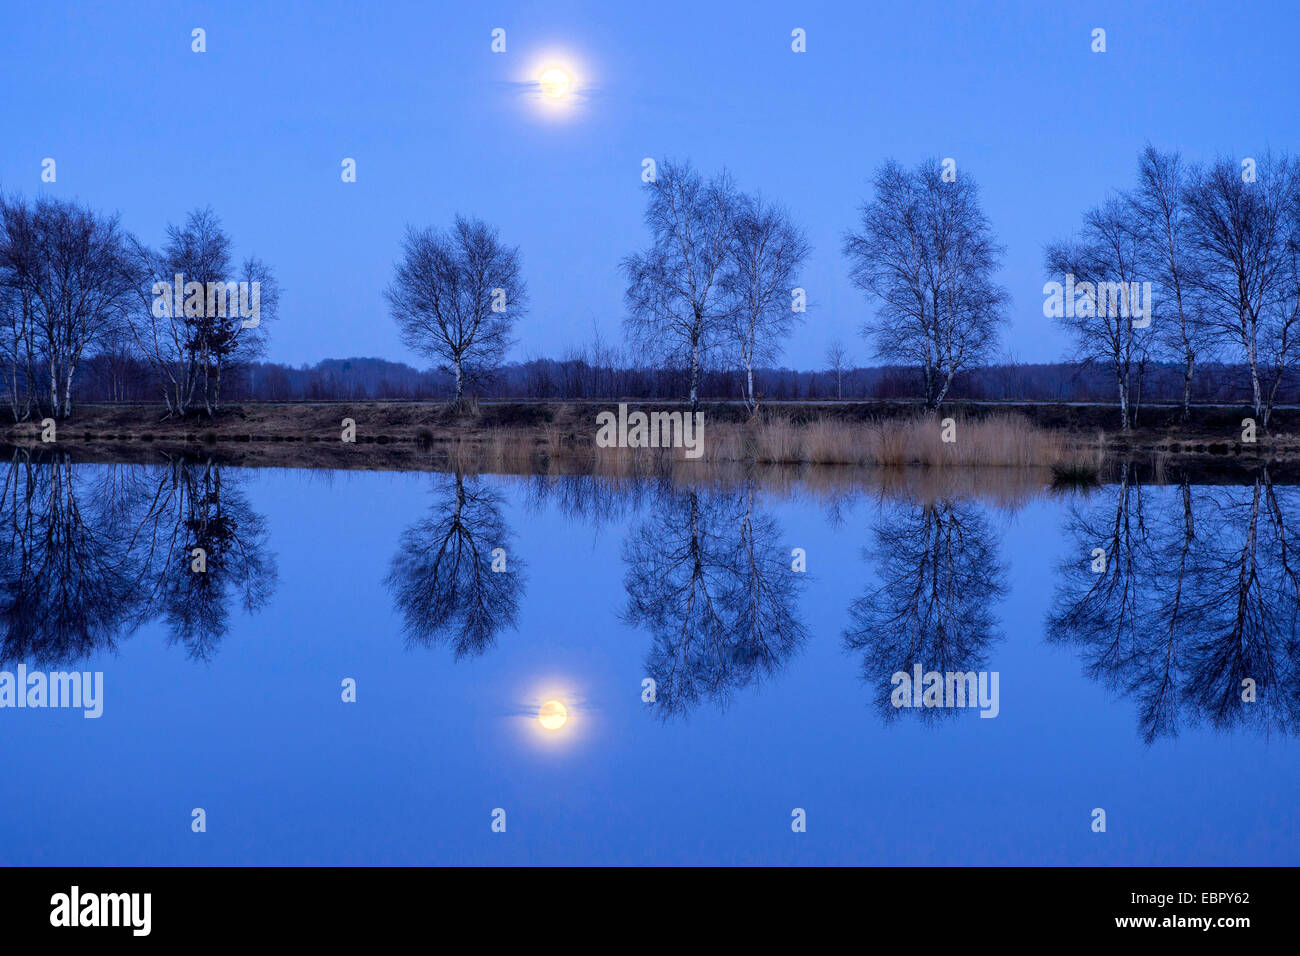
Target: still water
{"points": [[1122, 625]]}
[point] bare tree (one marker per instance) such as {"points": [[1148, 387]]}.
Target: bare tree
{"points": [[1284, 313], [20, 277], [220, 319], [235, 340], [84, 290], [12, 353], [607, 362], [1244, 234], [835, 358], [925, 254], [678, 304], [456, 297], [161, 335], [1181, 330], [766, 254], [1098, 275], [198, 252]]}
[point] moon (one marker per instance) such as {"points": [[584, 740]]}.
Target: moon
{"points": [[553, 715], [555, 82]]}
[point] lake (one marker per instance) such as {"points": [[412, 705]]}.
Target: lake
{"points": [[722, 660]]}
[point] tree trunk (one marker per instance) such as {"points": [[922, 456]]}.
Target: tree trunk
{"points": [[1252, 356], [947, 383], [1188, 370], [695, 374], [13, 394], [67, 392]]}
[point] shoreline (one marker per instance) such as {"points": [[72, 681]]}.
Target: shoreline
{"points": [[531, 436]]}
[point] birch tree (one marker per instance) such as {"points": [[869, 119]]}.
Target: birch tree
{"points": [[767, 252], [836, 359], [1179, 318], [84, 290], [678, 303], [20, 275], [161, 336], [925, 256], [193, 344], [1244, 234], [456, 297], [1098, 272]]}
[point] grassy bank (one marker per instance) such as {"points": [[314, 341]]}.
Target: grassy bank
{"points": [[520, 436]]}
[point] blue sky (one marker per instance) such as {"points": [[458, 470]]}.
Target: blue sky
{"points": [[258, 125]]}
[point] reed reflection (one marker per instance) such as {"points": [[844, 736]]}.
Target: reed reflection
{"points": [[595, 500]]}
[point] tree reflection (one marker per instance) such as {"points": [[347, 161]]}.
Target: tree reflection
{"points": [[66, 576], [192, 509], [939, 577], [442, 579], [90, 553], [1198, 595], [709, 579]]}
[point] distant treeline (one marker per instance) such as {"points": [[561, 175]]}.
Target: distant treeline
{"points": [[120, 377]]}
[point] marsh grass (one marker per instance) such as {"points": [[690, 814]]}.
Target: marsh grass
{"points": [[1075, 475], [1009, 441], [1080, 466], [812, 448]]}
